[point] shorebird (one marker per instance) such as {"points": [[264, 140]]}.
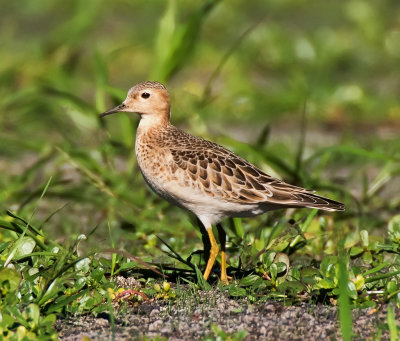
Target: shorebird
{"points": [[201, 176]]}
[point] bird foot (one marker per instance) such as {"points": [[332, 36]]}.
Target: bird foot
{"points": [[225, 279]]}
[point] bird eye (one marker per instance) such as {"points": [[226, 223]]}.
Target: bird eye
{"points": [[145, 95]]}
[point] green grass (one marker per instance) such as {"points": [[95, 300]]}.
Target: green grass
{"points": [[312, 89]]}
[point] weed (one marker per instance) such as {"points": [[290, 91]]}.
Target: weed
{"points": [[314, 92]]}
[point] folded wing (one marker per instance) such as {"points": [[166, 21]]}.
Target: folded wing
{"points": [[222, 174]]}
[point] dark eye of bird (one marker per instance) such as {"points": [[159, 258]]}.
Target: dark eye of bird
{"points": [[145, 95]]}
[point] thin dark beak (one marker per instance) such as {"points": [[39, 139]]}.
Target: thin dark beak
{"points": [[120, 107]]}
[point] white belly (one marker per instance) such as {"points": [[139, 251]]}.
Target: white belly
{"points": [[208, 209]]}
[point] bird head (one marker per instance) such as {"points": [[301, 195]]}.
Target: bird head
{"points": [[148, 99]]}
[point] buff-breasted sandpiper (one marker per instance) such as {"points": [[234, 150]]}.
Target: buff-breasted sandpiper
{"points": [[201, 176]]}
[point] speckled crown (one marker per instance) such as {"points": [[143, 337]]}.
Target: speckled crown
{"points": [[147, 85]]}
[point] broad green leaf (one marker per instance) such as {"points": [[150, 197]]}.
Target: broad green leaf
{"points": [[394, 229], [249, 280], [326, 284], [391, 287], [352, 290], [268, 258], [33, 315], [273, 269], [280, 267], [359, 282], [364, 238], [237, 291], [356, 250], [10, 276], [25, 247], [83, 266], [6, 321], [327, 264]]}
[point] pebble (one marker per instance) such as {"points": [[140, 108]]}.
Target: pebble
{"points": [[192, 319]]}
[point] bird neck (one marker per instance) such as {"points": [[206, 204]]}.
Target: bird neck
{"points": [[149, 122]]}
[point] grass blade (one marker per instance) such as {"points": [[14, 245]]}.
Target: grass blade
{"points": [[176, 43], [345, 318], [391, 320]]}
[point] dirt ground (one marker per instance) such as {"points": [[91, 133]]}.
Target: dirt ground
{"points": [[191, 318]]}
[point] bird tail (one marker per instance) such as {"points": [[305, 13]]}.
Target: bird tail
{"points": [[311, 200]]}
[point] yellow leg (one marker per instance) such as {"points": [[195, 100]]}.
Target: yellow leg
{"points": [[222, 240], [224, 276], [213, 253]]}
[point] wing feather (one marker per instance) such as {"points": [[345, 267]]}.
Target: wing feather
{"points": [[227, 176]]}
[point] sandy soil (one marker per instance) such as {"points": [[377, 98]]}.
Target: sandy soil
{"points": [[191, 318]]}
